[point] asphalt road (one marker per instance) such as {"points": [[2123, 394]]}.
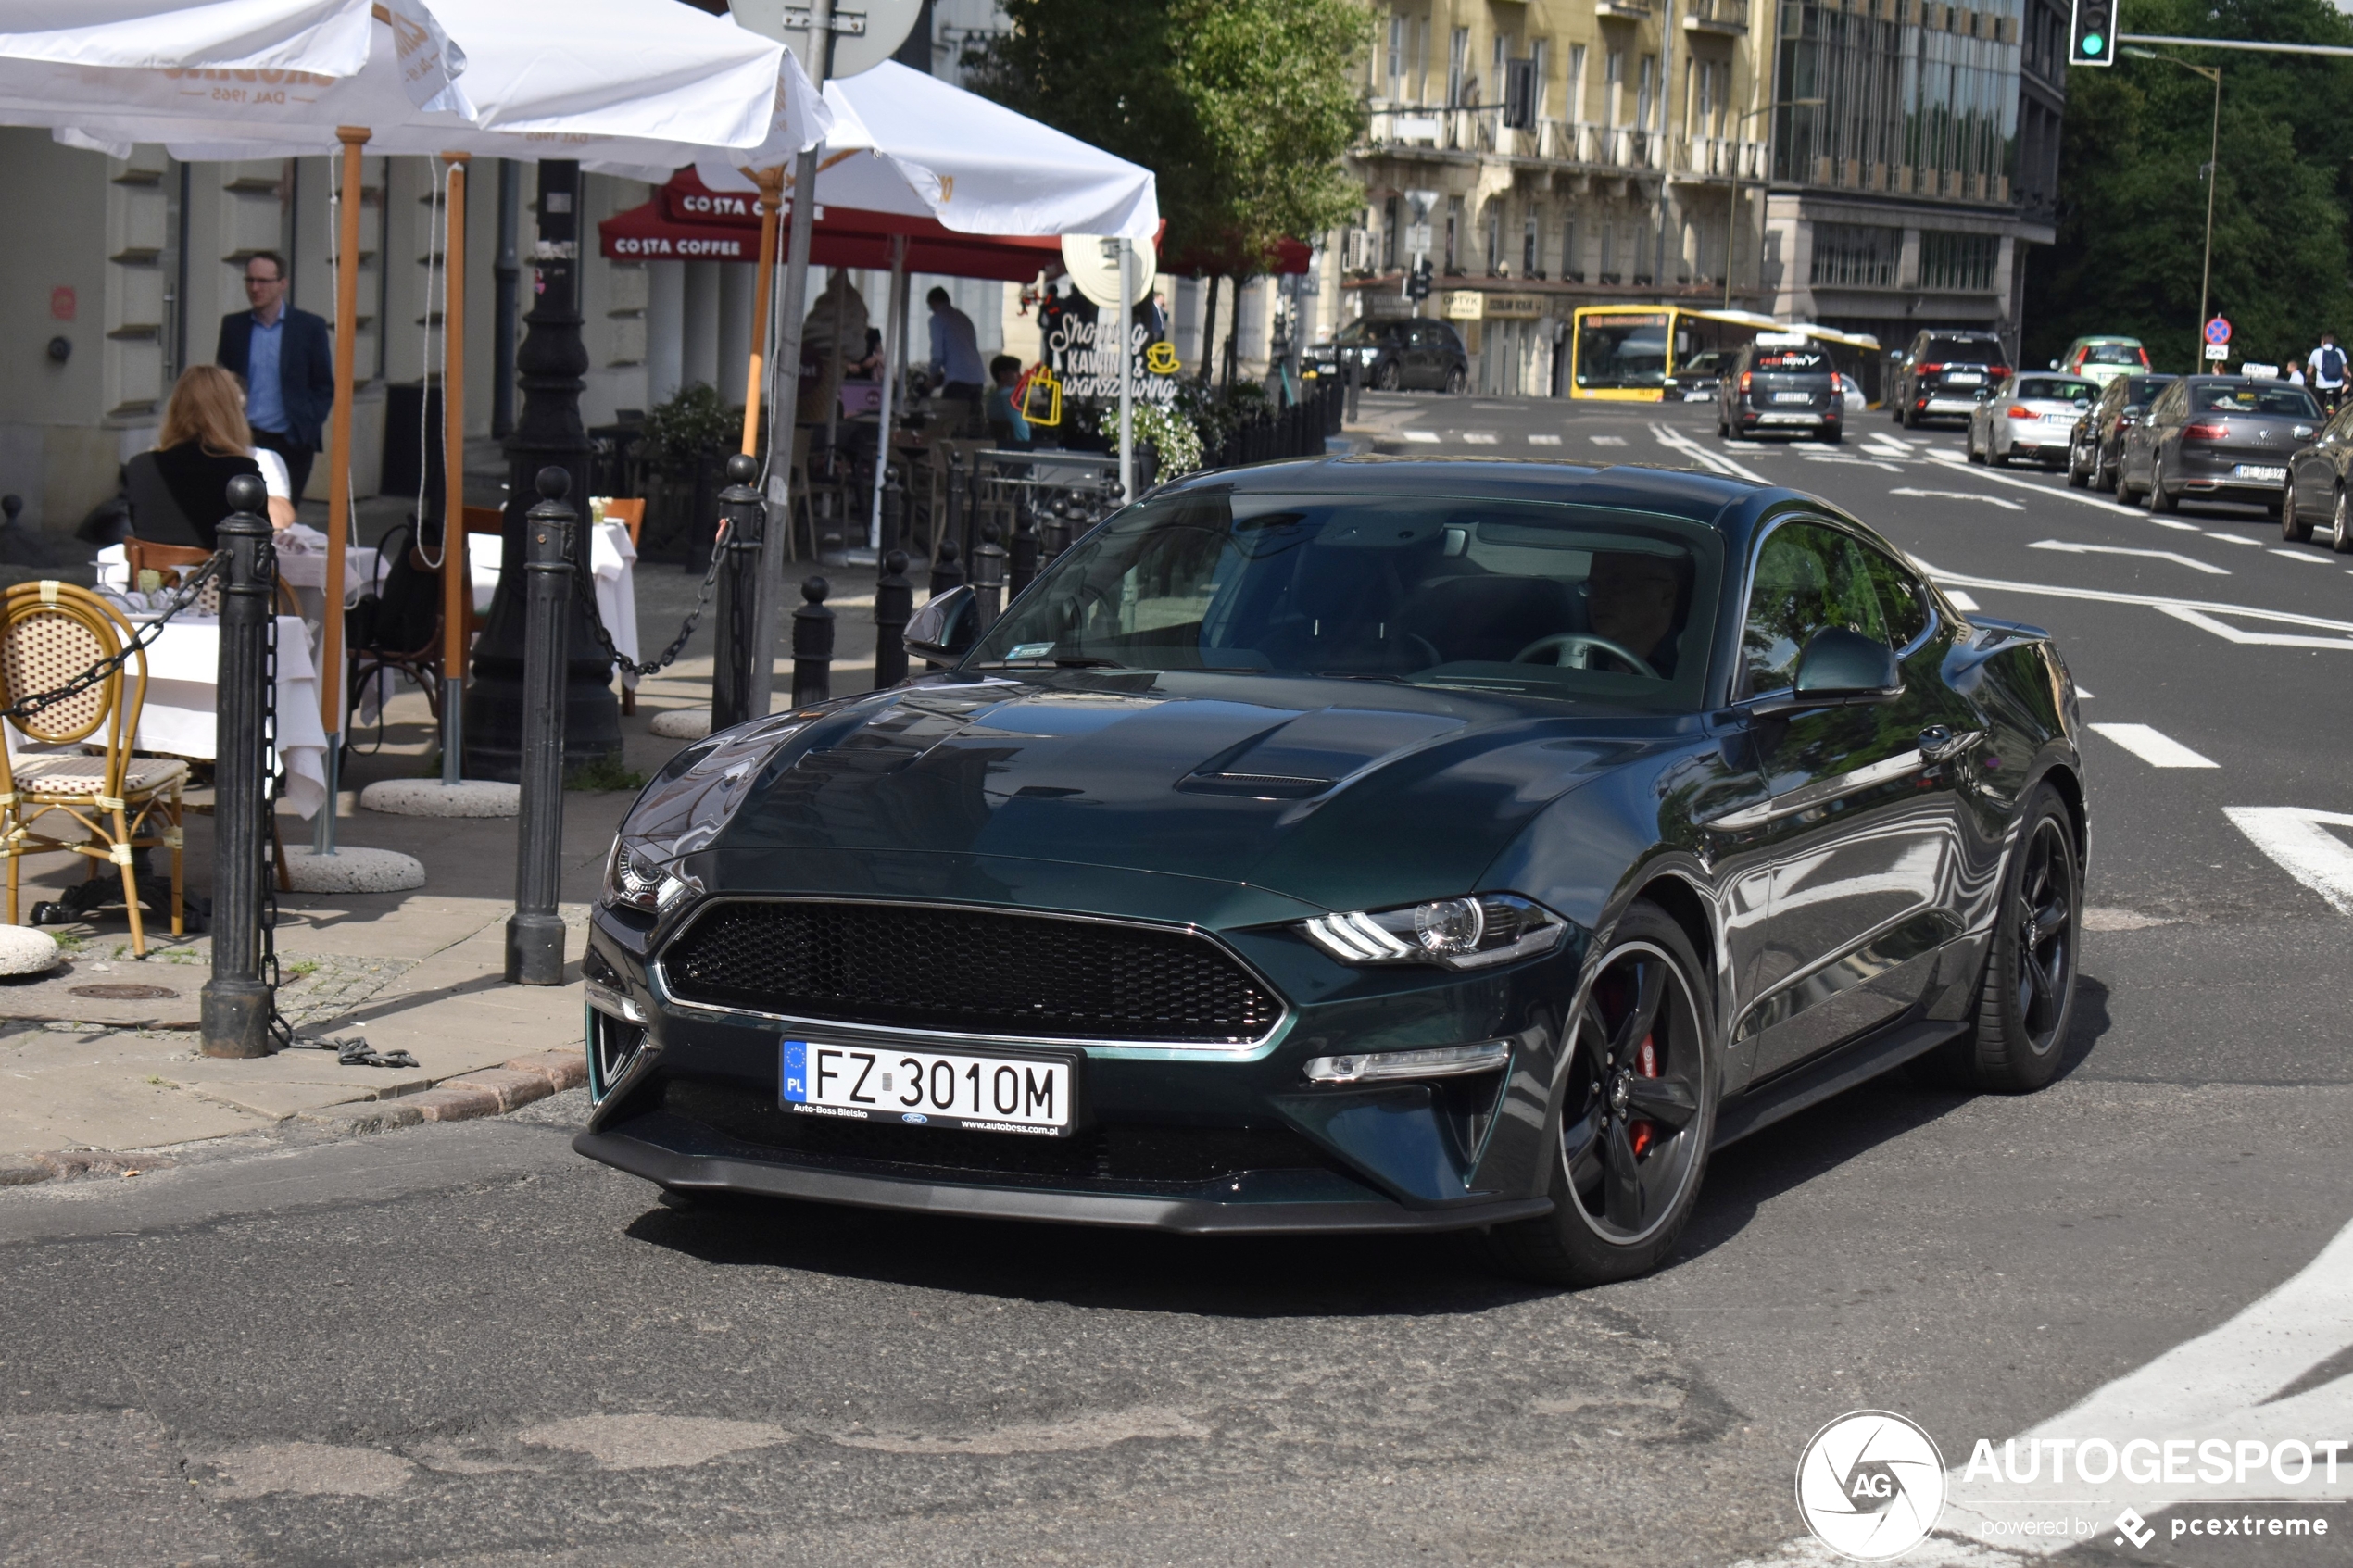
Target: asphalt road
{"points": [[464, 1344]]}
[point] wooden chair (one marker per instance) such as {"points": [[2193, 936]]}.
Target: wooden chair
{"points": [[170, 561], [49, 633]]}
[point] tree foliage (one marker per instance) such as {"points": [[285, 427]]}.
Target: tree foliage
{"points": [[2131, 226], [1241, 108]]}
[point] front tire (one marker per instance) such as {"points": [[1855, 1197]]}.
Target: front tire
{"points": [[2078, 478], [2161, 500], [1386, 379], [1636, 1114], [2341, 525], [2029, 991], [1455, 382]]}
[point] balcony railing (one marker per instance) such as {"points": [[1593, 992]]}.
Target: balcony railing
{"points": [[1719, 157], [1724, 17], [1577, 142]]}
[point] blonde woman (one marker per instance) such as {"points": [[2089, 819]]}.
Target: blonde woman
{"points": [[179, 493]]}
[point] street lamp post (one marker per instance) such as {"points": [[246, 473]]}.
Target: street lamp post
{"points": [[1732, 206], [2213, 178]]}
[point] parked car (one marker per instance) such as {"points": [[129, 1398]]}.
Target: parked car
{"points": [[2216, 438], [1781, 384], [2092, 453], [1852, 397], [1695, 379], [1945, 375], [1413, 351], [1353, 847], [2318, 477], [2102, 359], [2030, 415]]}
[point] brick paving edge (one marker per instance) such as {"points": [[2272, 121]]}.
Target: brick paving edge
{"points": [[486, 1091]]}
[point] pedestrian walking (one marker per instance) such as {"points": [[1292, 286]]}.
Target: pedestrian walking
{"points": [[2293, 372], [2327, 371], [287, 362]]}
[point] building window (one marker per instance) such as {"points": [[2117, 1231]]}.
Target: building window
{"points": [[1643, 93], [1613, 87], [1856, 256], [1389, 220], [1421, 60], [1609, 254], [1539, 56], [1494, 238], [1960, 263], [1454, 233], [1531, 263], [1457, 61], [1396, 56], [1576, 108], [1572, 263]]}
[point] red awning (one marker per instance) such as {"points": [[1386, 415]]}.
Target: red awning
{"points": [[845, 237], [1289, 258]]}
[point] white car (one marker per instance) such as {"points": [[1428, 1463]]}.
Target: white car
{"points": [[1851, 392], [2030, 415]]}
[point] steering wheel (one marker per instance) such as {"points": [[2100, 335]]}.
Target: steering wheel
{"points": [[1566, 641], [1424, 644]]}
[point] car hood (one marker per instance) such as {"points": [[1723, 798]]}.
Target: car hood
{"points": [[1337, 793]]}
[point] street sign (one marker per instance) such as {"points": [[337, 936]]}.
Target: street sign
{"points": [[866, 33], [2091, 38], [1417, 239], [2217, 351], [2217, 331], [1093, 264]]}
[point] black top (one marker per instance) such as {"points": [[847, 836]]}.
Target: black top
{"points": [[180, 495]]}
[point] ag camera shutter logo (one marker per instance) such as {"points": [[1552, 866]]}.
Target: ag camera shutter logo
{"points": [[1871, 1486]]}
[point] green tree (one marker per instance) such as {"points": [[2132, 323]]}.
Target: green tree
{"points": [[1242, 109], [2132, 227]]}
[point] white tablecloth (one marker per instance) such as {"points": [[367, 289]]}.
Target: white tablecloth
{"points": [[612, 562], [183, 676], [303, 570]]}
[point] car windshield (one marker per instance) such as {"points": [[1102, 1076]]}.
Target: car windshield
{"points": [[2062, 389], [1596, 605], [2115, 354], [2253, 397], [1622, 350], [2143, 388], [1964, 350], [1359, 333]]}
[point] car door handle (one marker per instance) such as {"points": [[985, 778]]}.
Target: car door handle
{"points": [[1941, 742]]}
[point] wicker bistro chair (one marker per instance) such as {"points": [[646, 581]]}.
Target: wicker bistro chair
{"points": [[49, 633]]}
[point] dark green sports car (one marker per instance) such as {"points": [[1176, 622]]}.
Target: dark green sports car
{"points": [[1356, 844]]}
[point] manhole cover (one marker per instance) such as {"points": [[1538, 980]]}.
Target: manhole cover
{"points": [[124, 993]]}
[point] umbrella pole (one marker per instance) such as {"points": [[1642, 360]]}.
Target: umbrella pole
{"points": [[894, 310], [776, 542], [330, 650], [456, 580], [772, 199], [1122, 326]]}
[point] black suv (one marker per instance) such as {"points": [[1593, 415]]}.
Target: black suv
{"points": [[2093, 457], [1781, 383], [1414, 351], [1945, 375]]}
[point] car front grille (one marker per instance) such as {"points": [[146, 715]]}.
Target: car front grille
{"points": [[970, 971], [1121, 1156]]}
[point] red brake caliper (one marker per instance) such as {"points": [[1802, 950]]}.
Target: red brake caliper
{"points": [[1642, 1133]]}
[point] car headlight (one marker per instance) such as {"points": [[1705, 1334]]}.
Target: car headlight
{"points": [[635, 879], [1466, 932]]}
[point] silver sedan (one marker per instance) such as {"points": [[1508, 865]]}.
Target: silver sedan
{"points": [[2030, 415]]}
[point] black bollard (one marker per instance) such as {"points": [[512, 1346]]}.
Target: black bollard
{"points": [[1349, 373], [894, 602], [947, 571], [894, 511], [536, 932], [1057, 529], [1020, 562], [989, 576], [812, 646], [235, 1003], [738, 589]]}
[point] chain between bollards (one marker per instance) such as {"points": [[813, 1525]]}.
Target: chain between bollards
{"points": [[746, 514], [812, 646], [235, 1007], [536, 932]]}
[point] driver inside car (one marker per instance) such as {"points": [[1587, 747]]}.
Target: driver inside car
{"points": [[1634, 600]]}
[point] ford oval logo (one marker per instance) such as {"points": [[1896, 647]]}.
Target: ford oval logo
{"points": [[917, 1117]]}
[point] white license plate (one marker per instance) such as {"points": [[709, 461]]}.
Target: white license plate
{"points": [[2257, 471], [1964, 379], [1793, 398], [988, 1094]]}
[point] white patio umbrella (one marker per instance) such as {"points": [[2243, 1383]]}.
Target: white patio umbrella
{"points": [[629, 84]]}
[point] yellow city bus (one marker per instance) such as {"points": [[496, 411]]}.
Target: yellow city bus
{"points": [[1631, 353]]}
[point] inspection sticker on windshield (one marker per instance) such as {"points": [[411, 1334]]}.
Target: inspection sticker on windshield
{"points": [[1031, 650], [984, 1094]]}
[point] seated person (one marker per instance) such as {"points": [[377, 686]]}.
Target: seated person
{"points": [[1006, 425], [204, 442], [1634, 600], [868, 365]]}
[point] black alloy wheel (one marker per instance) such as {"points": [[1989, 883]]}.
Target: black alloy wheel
{"points": [[2340, 525], [2028, 995], [1385, 378], [2077, 476], [1456, 382], [1637, 1113], [2161, 499]]}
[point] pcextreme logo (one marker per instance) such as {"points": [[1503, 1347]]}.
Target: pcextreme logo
{"points": [[1870, 1485]]}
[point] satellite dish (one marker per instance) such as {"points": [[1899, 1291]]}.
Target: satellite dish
{"points": [[1093, 263], [881, 27]]}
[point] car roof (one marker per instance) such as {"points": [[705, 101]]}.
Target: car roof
{"points": [[2101, 338]]}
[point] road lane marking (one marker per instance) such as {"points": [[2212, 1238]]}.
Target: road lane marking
{"points": [[2154, 746], [1678, 441], [2300, 557], [1958, 496], [1609, 441], [1853, 462], [2299, 841], [2229, 538], [2197, 612], [1961, 601], [2184, 527], [1479, 437], [2062, 491], [2189, 561], [2250, 639], [1543, 441], [1426, 436]]}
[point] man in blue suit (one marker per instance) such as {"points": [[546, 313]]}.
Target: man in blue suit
{"points": [[288, 364]]}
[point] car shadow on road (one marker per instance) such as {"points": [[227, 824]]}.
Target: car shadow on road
{"points": [[1786, 1156]]}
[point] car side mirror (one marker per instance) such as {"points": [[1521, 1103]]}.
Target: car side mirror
{"points": [[1840, 668], [945, 629]]}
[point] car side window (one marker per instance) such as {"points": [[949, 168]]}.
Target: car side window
{"points": [[2343, 426], [1808, 578], [1903, 598]]}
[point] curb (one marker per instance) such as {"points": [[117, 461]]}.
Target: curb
{"points": [[488, 1091]]}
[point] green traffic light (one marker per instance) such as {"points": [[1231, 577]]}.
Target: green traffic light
{"points": [[2092, 41]]}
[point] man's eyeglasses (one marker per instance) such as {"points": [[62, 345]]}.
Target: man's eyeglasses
{"points": [[251, 280]]}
